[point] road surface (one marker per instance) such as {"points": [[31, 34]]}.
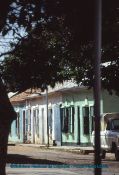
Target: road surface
{"points": [[54, 162]]}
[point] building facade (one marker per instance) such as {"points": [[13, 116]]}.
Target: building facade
{"points": [[65, 119]]}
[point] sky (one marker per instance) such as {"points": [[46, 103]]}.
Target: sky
{"points": [[5, 41]]}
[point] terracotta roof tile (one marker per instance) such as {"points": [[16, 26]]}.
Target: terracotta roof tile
{"points": [[21, 97]]}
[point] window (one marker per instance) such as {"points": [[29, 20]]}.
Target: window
{"points": [[42, 113], [18, 125], [86, 119], [92, 117], [108, 125], [36, 121], [67, 119], [115, 124], [29, 119], [71, 119], [64, 120], [78, 117], [26, 122], [50, 120]]}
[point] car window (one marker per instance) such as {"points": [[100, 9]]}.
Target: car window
{"points": [[108, 126], [115, 124]]}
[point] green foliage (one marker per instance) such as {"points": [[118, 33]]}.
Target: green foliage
{"points": [[59, 43], [37, 59]]}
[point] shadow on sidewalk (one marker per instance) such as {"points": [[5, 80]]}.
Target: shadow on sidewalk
{"points": [[22, 159]]}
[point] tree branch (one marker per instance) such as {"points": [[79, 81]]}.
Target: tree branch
{"points": [[7, 53]]}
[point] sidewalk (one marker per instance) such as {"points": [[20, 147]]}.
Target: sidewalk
{"points": [[77, 149]]}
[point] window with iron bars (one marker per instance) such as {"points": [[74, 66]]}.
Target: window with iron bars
{"points": [[67, 119]]}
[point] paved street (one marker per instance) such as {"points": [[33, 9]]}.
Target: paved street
{"points": [[30, 156], [53, 172]]}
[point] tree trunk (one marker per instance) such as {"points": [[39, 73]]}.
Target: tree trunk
{"points": [[4, 132], [7, 115]]}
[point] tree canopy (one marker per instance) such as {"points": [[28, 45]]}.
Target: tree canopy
{"points": [[59, 42]]}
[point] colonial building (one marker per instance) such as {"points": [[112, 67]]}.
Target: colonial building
{"points": [[66, 118]]}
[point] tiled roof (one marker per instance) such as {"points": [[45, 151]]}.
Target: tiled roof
{"points": [[22, 96], [66, 85]]}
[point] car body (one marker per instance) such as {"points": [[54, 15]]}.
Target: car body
{"points": [[109, 134]]}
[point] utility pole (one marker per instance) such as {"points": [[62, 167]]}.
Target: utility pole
{"points": [[97, 86]]}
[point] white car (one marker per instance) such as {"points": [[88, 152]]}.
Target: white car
{"points": [[109, 134]]}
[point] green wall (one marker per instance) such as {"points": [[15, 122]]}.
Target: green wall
{"points": [[77, 99], [111, 102]]}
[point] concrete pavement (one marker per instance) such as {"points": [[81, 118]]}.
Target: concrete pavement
{"points": [[78, 149]]}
